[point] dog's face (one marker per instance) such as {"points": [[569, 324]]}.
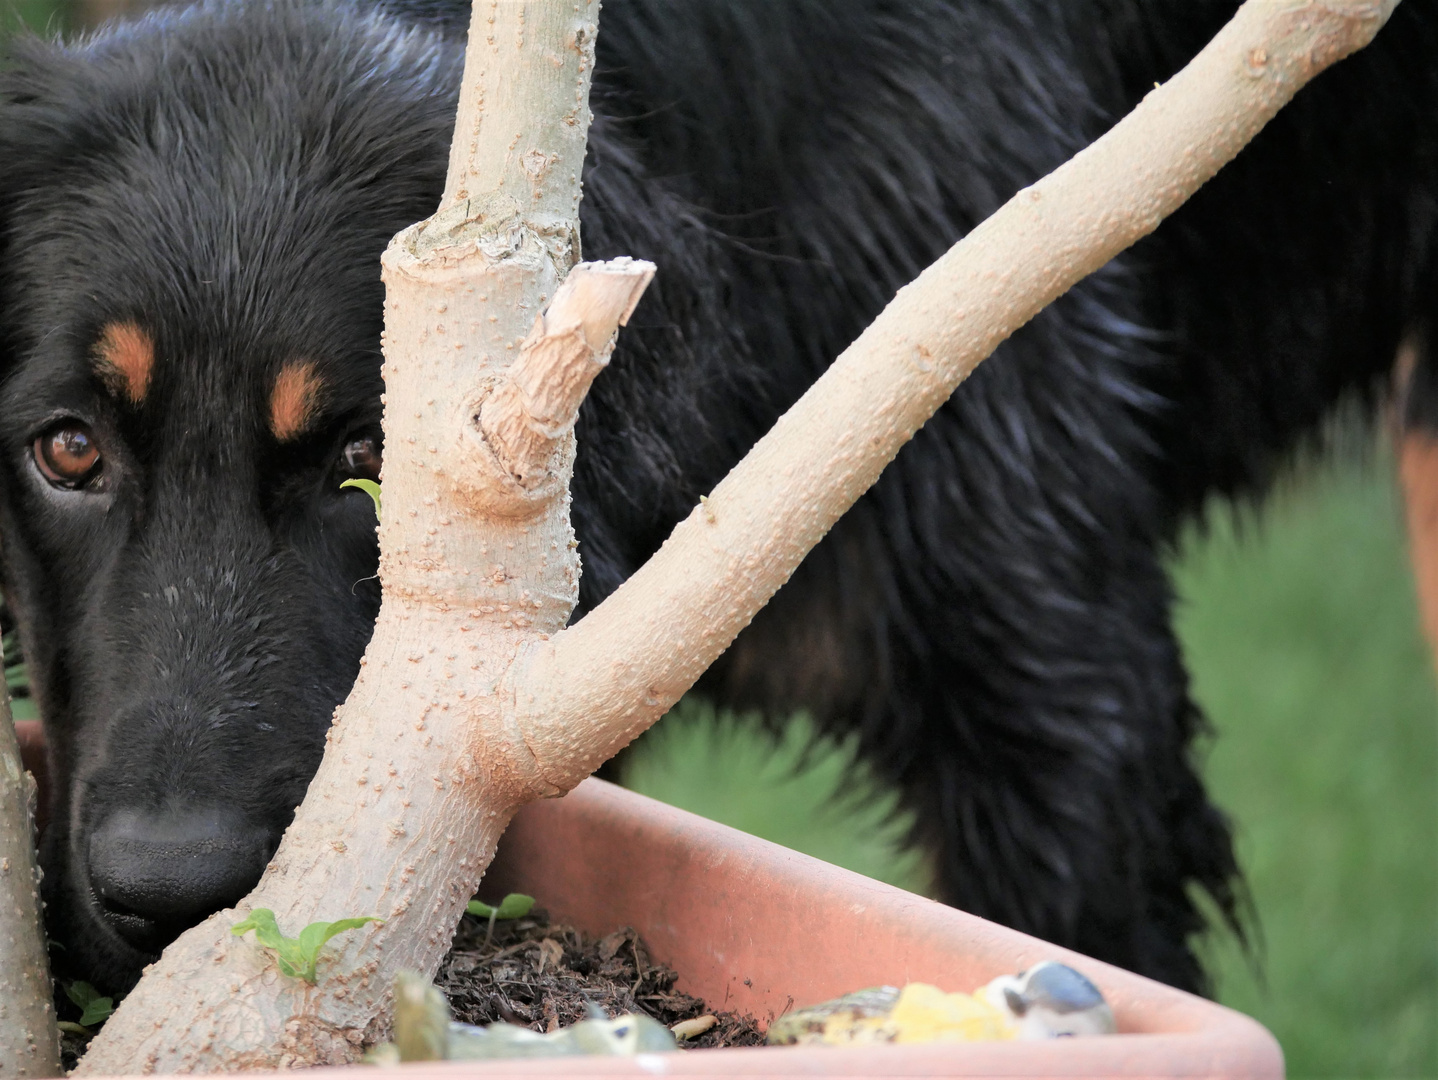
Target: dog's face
{"points": [[190, 314]]}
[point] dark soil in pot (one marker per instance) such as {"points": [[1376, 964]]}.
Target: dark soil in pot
{"points": [[542, 976]]}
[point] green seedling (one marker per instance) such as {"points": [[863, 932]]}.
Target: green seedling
{"points": [[94, 1009], [296, 957], [514, 906], [369, 487]]}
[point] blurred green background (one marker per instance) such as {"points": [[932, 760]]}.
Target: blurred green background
{"points": [[35, 14], [1300, 629]]}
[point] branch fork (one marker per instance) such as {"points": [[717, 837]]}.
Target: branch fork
{"points": [[475, 694]]}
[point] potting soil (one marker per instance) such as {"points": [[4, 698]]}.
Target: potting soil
{"points": [[542, 976]]}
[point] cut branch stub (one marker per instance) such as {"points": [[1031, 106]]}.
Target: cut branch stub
{"points": [[538, 400]]}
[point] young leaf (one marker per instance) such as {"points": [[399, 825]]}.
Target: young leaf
{"points": [[94, 1009], [369, 487], [514, 906], [267, 933], [262, 922], [339, 926], [97, 1012], [81, 993], [296, 957], [313, 937]]}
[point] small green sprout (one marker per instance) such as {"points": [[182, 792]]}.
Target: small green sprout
{"points": [[514, 906], [296, 957], [369, 487], [94, 1009]]}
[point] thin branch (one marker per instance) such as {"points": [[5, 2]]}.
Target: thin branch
{"points": [[590, 689], [512, 146]]}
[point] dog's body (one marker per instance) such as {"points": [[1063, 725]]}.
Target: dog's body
{"points": [[192, 212]]}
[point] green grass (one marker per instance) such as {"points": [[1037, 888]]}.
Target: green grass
{"points": [[1302, 637], [726, 768], [1303, 640], [40, 15]]}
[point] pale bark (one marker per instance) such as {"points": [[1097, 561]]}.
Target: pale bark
{"points": [[589, 691], [536, 405], [423, 769], [474, 697], [29, 1040]]}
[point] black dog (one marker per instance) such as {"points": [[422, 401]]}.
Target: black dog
{"points": [[191, 213]]}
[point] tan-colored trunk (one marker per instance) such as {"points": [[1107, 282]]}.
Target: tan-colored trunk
{"points": [[29, 1041], [474, 697]]}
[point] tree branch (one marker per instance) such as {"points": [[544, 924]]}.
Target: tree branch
{"points": [[591, 689], [473, 697], [421, 775], [29, 1041]]}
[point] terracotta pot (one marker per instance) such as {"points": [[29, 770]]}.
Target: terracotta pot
{"points": [[755, 928]]}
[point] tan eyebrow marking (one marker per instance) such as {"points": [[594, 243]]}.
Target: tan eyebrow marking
{"points": [[293, 400], [125, 359]]}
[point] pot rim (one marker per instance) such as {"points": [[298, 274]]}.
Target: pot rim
{"points": [[756, 928]]}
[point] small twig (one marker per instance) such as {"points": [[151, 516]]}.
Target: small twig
{"points": [[508, 950], [638, 965]]}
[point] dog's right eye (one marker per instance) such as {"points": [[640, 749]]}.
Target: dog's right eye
{"points": [[67, 455], [361, 457]]}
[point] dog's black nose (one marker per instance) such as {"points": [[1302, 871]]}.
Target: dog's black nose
{"points": [[154, 874]]}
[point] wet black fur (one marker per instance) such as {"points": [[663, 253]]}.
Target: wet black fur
{"points": [[993, 619]]}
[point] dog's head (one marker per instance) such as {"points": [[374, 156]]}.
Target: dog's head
{"points": [[192, 211]]}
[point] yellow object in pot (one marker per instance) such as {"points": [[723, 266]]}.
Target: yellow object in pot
{"points": [[925, 1013], [922, 1014]]}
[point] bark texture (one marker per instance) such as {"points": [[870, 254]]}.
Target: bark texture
{"points": [[424, 767], [474, 697], [595, 687], [29, 1040]]}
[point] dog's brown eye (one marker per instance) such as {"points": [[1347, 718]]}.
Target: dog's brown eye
{"points": [[362, 457], [66, 455]]}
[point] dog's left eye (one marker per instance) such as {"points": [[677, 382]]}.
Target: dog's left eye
{"points": [[362, 457], [67, 455]]}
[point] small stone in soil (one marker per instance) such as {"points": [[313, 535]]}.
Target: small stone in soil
{"points": [[541, 976]]}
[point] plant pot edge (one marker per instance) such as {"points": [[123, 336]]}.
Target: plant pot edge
{"points": [[738, 918]]}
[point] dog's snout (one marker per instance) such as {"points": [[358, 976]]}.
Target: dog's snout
{"points": [[156, 873]]}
